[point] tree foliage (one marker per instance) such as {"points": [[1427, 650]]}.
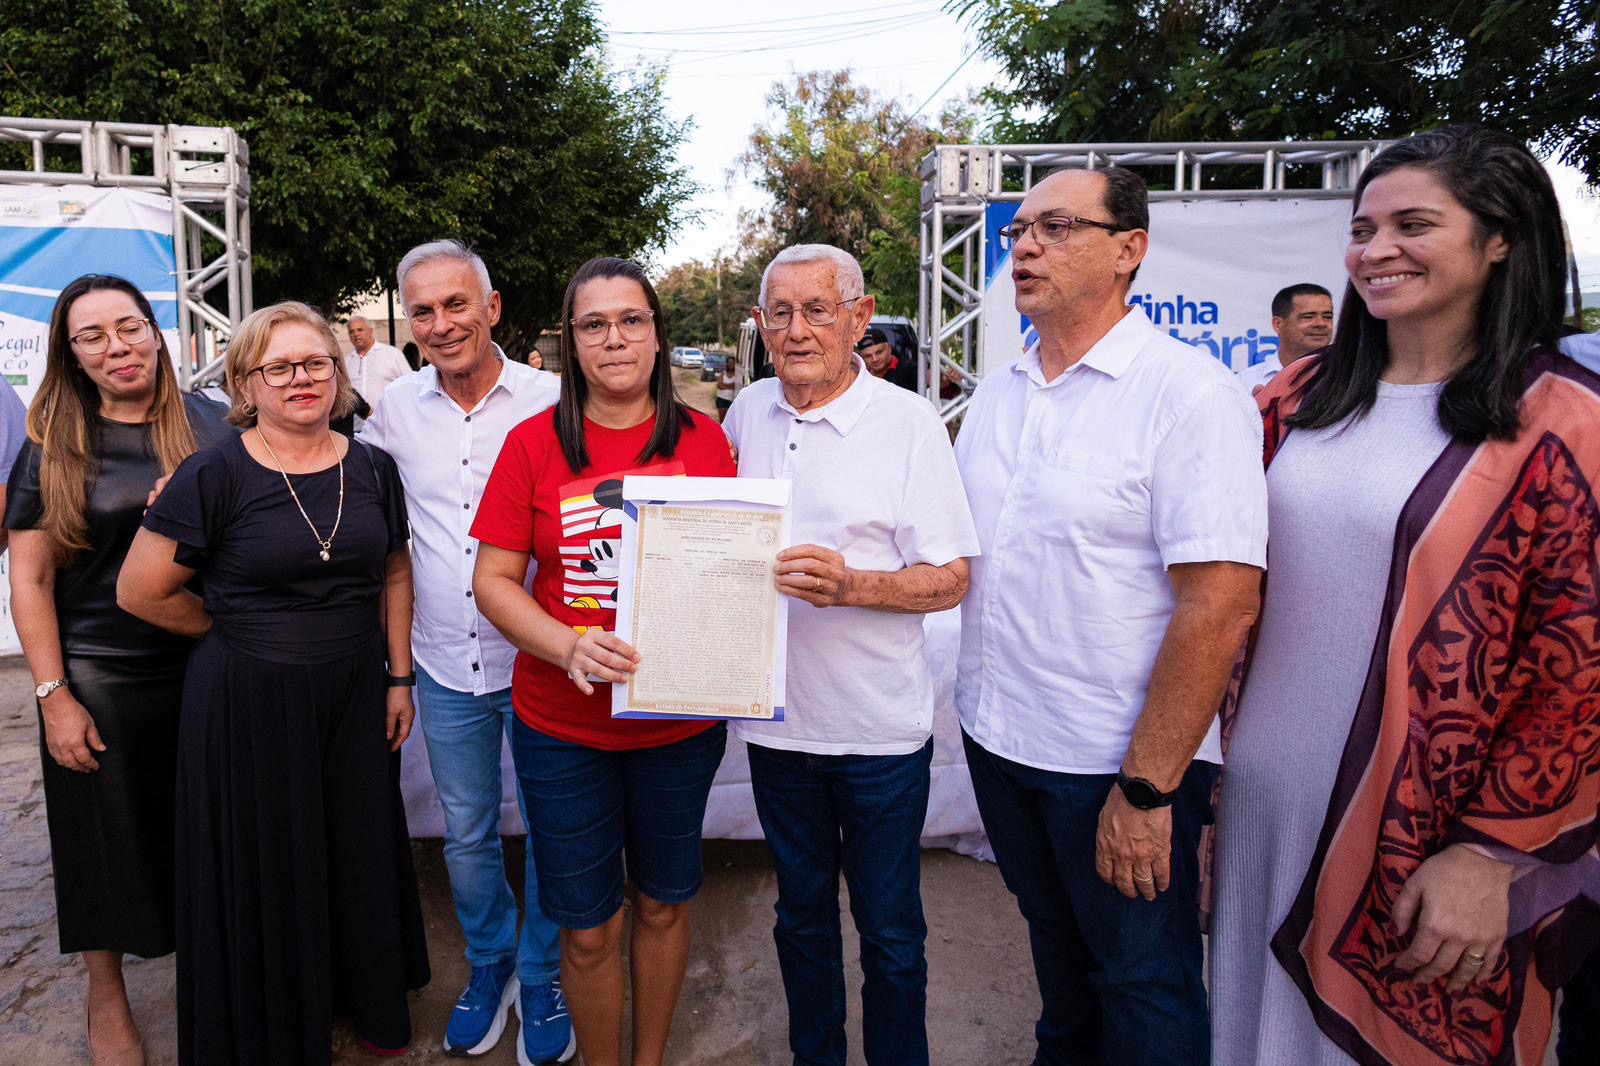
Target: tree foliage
{"points": [[840, 164], [1139, 70], [374, 125]]}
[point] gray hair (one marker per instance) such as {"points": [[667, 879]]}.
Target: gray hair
{"points": [[449, 248], [353, 319], [847, 272]]}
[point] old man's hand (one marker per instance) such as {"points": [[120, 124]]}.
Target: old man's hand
{"points": [[814, 574]]}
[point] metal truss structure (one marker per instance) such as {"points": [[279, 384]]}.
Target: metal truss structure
{"points": [[205, 170], [960, 181]]}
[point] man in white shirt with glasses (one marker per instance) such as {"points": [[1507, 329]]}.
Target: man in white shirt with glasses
{"points": [[1115, 477]]}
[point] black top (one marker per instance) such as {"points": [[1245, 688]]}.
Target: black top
{"points": [[124, 471], [265, 585]]}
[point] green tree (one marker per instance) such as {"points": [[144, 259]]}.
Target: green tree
{"points": [[840, 163], [377, 124], [1106, 70]]}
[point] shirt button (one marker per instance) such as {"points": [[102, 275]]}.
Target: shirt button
{"points": [[469, 594], [474, 666], [469, 551], [463, 462], [469, 418], [792, 447], [466, 507], [473, 635]]}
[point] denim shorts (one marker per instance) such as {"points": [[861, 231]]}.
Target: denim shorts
{"points": [[587, 808]]}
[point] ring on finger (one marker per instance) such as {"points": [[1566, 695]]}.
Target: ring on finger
{"points": [[817, 583], [1143, 880], [1472, 958]]}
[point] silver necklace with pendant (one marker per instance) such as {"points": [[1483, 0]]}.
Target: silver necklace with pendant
{"points": [[337, 518]]}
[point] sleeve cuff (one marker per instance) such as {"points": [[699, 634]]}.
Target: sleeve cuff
{"points": [[1214, 550]]}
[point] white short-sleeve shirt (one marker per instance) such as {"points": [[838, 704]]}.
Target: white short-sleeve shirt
{"points": [[875, 480], [445, 455], [373, 373], [1143, 454], [1254, 377]]}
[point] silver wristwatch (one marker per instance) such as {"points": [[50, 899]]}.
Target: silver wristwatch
{"points": [[44, 688]]}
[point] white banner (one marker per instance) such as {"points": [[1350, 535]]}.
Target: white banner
{"points": [[50, 235], [1210, 275]]}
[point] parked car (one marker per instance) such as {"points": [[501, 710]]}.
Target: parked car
{"points": [[711, 368], [690, 358]]}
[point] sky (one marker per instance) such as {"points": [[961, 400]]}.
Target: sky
{"points": [[723, 56]]}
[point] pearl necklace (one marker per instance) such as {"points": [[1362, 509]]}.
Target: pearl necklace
{"points": [[337, 518]]}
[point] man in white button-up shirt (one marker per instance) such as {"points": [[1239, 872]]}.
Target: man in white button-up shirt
{"points": [[444, 426], [882, 536], [373, 366], [1115, 477]]}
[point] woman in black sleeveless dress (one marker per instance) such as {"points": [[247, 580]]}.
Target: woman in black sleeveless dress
{"points": [[297, 900], [108, 420]]}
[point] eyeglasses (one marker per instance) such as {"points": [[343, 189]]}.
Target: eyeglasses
{"points": [[1052, 229], [98, 341], [317, 368], [635, 326], [816, 313]]}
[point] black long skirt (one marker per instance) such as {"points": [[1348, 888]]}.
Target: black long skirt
{"points": [[111, 830], [297, 900]]}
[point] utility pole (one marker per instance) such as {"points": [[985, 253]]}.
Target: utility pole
{"points": [[721, 343]]}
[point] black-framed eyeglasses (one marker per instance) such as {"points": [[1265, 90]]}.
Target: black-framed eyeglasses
{"points": [[317, 368], [98, 341], [635, 326], [816, 313], [1051, 229]]}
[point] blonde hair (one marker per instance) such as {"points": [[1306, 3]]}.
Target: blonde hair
{"points": [[61, 420], [249, 344]]}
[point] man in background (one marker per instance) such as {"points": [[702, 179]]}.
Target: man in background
{"points": [[877, 352], [1302, 317], [373, 367]]}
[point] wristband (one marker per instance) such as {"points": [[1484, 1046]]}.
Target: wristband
{"points": [[408, 681]]}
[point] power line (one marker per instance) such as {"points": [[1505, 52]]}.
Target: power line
{"points": [[854, 33], [729, 27]]}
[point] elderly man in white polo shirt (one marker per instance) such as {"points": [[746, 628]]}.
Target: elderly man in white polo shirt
{"points": [[444, 426], [373, 366], [1115, 477], [882, 536]]}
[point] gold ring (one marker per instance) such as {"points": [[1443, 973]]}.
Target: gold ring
{"points": [[1476, 960], [1143, 880], [817, 587]]}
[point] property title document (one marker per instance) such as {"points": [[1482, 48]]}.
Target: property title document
{"points": [[696, 597]]}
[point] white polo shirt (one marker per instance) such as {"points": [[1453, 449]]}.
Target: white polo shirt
{"points": [[1142, 454], [445, 455], [875, 480], [373, 373]]}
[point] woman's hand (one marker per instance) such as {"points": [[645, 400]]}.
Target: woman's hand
{"points": [[1460, 903], [401, 713], [69, 733], [605, 655]]}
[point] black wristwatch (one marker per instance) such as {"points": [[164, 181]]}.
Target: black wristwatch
{"points": [[408, 681], [1142, 794]]}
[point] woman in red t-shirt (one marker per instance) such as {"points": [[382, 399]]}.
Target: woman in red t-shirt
{"points": [[593, 786]]}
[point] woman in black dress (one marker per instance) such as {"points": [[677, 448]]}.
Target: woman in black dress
{"points": [[108, 421], [297, 900]]}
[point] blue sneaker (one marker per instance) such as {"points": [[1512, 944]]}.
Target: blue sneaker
{"points": [[481, 1012], [547, 1035]]}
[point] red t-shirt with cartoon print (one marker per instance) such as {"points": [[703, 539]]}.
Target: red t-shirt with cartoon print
{"points": [[571, 524]]}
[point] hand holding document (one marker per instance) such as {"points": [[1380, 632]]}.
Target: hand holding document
{"points": [[696, 597]]}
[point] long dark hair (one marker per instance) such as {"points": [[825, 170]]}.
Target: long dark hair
{"points": [[1495, 177], [672, 417], [62, 417]]}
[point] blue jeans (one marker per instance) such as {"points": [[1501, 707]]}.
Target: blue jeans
{"points": [[1120, 978], [463, 734], [863, 815]]}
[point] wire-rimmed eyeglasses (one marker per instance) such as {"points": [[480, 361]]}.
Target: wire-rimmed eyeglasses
{"points": [[1051, 229]]}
